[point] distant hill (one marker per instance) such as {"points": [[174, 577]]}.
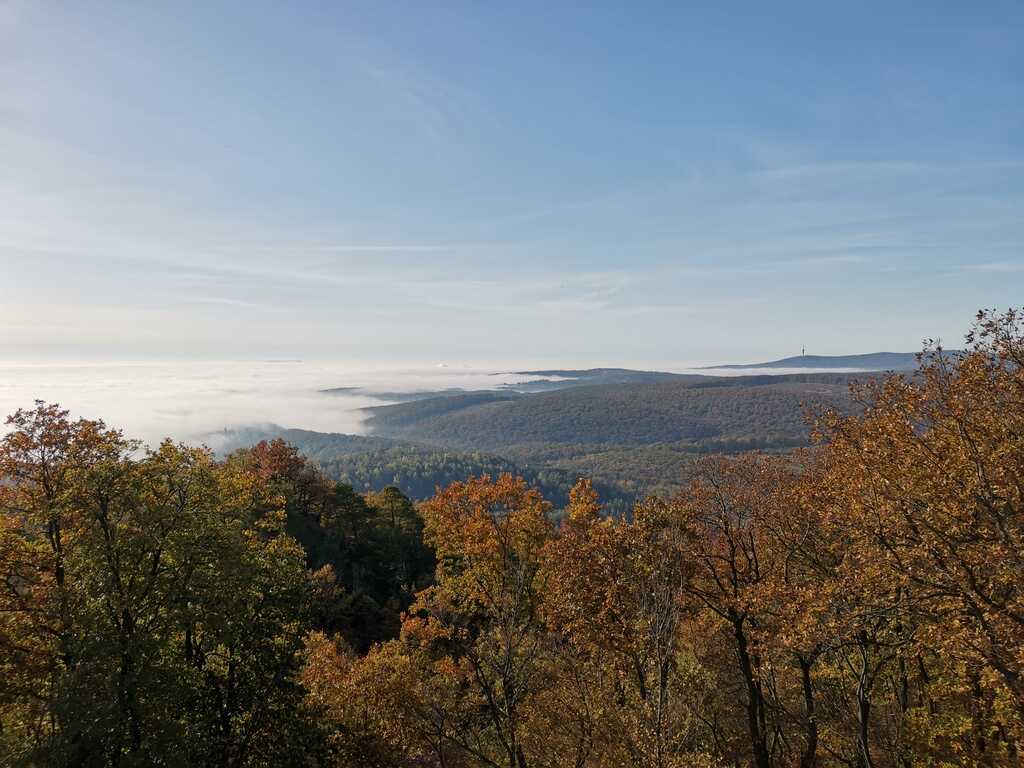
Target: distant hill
{"points": [[541, 381], [765, 409], [401, 415], [874, 361], [560, 378], [632, 438]]}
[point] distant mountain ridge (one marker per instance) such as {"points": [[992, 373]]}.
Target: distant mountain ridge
{"points": [[561, 378], [680, 408], [873, 361]]}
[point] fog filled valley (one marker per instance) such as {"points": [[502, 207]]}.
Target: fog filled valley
{"points": [[193, 400], [632, 432]]}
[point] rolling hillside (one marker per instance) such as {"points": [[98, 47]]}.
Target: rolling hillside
{"points": [[766, 409], [632, 439]]}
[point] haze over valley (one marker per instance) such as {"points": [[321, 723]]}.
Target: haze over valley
{"points": [[190, 401]]}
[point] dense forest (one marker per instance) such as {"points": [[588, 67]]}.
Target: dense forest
{"points": [[857, 603], [632, 433], [695, 409], [418, 470]]}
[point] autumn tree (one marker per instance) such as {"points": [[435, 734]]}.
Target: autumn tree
{"points": [[615, 604], [929, 483], [471, 656], [152, 605], [726, 512], [367, 551]]}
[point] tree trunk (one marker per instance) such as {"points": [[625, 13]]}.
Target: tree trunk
{"points": [[755, 700], [864, 684], [809, 759]]}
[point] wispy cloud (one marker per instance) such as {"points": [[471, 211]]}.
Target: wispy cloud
{"points": [[830, 260], [993, 267], [300, 247], [225, 301], [558, 294], [883, 168]]}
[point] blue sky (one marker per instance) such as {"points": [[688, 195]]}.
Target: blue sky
{"points": [[628, 183]]}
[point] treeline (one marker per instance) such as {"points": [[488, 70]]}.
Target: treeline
{"points": [[661, 469], [372, 464], [420, 470], [859, 604]]}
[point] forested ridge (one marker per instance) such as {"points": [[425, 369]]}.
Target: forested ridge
{"points": [[631, 440], [760, 407], [858, 602]]}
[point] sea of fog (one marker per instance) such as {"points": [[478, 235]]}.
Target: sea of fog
{"points": [[190, 401]]}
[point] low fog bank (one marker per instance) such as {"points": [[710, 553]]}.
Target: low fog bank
{"points": [[192, 402]]}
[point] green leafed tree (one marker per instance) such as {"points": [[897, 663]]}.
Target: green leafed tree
{"points": [[152, 606]]}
